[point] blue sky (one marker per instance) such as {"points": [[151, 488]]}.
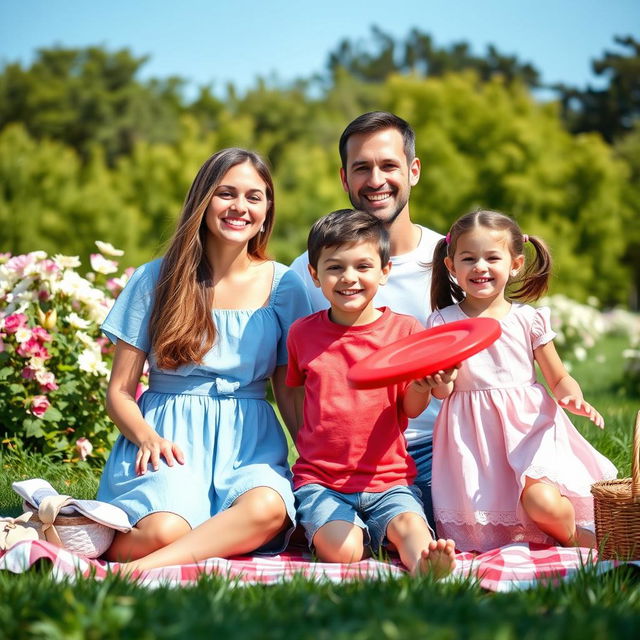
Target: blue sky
{"points": [[214, 42]]}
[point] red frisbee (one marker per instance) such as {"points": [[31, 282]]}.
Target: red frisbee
{"points": [[424, 353]]}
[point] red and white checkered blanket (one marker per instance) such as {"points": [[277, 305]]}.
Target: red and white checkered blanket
{"points": [[516, 566]]}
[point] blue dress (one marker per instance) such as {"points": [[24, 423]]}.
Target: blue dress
{"points": [[215, 411]]}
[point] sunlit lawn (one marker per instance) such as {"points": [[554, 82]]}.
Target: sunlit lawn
{"points": [[32, 605]]}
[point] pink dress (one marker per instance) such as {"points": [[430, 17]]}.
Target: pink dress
{"points": [[498, 426]]}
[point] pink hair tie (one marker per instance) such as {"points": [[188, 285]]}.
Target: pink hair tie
{"points": [[525, 237], [447, 238]]}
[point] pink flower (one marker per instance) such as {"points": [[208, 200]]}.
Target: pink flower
{"points": [[42, 335], [33, 349], [18, 264], [84, 448], [39, 405], [104, 343], [140, 389], [114, 286], [49, 266], [14, 322], [46, 379], [28, 373]]}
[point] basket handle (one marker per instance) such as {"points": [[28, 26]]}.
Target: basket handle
{"points": [[635, 462]]}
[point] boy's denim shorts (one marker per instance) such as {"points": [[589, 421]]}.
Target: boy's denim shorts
{"points": [[317, 505]]}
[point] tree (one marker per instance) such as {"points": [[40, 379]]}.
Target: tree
{"points": [[84, 97], [419, 55], [613, 110]]}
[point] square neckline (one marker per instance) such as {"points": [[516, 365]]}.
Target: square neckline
{"points": [[267, 304]]}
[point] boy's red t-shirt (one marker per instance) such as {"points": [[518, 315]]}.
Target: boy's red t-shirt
{"points": [[351, 439]]}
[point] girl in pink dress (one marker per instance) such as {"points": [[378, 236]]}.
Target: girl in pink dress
{"points": [[508, 465]]}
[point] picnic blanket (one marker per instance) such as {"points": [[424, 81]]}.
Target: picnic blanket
{"points": [[509, 568]]}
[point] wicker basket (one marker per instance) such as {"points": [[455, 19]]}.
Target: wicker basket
{"points": [[75, 533], [616, 505]]}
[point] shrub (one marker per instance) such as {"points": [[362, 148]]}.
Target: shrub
{"points": [[54, 363]]}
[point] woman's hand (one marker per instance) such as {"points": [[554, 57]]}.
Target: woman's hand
{"points": [[152, 448], [577, 405]]}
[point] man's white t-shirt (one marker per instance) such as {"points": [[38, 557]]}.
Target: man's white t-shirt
{"points": [[408, 291]]}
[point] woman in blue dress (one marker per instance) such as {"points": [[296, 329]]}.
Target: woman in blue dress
{"points": [[200, 466]]}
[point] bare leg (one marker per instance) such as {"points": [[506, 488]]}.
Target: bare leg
{"points": [[339, 541], [554, 514], [419, 552], [152, 532], [254, 519]]}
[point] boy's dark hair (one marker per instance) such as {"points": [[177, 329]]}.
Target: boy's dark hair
{"points": [[347, 226], [377, 121]]}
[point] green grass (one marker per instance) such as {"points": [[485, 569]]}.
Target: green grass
{"points": [[32, 605]]}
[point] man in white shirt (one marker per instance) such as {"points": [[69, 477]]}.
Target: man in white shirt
{"points": [[379, 168]]}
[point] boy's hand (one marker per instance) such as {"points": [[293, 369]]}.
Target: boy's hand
{"points": [[579, 407]]}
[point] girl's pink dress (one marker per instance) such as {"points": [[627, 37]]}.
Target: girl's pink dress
{"points": [[498, 426]]}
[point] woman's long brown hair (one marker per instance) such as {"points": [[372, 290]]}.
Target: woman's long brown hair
{"points": [[181, 327]]}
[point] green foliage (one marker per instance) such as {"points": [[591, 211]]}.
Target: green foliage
{"points": [[418, 54], [54, 377], [614, 109], [88, 97], [121, 169]]}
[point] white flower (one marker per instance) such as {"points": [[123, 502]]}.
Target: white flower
{"points": [[91, 362], [108, 249], [87, 341], [77, 322], [101, 265], [66, 262], [580, 353], [23, 334], [37, 364]]}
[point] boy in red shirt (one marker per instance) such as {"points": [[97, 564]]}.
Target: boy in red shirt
{"points": [[353, 478]]}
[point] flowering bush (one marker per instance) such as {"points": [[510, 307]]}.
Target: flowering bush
{"points": [[627, 324], [54, 363], [578, 326]]}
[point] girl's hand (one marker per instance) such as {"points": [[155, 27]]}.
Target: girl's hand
{"points": [[579, 407], [438, 379], [150, 451]]}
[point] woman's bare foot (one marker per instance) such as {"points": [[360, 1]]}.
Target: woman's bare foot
{"points": [[438, 559]]}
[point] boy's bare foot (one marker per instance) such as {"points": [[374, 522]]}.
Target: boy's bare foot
{"points": [[438, 559], [583, 538]]}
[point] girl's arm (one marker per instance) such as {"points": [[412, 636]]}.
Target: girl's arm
{"points": [[418, 393], [122, 408], [564, 388], [289, 400]]}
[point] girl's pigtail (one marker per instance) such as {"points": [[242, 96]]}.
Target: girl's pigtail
{"points": [[535, 280], [444, 291]]}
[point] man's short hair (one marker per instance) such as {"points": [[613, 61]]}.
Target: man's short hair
{"points": [[377, 121], [347, 226]]}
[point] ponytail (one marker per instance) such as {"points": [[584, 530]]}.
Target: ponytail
{"points": [[444, 291], [534, 282]]}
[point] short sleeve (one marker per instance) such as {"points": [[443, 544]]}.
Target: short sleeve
{"points": [[291, 301], [435, 320], [541, 331], [295, 377], [128, 319]]}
